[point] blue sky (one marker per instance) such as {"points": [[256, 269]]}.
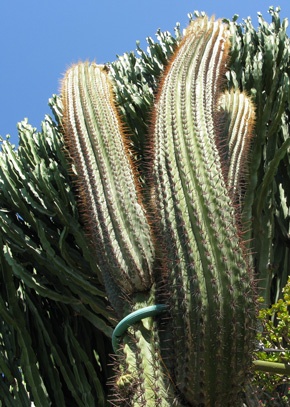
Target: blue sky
{"points": [[40, 39]]}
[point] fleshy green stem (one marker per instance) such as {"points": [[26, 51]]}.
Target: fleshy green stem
{"points": [[208, 276], [108, 195], [271, 367]]}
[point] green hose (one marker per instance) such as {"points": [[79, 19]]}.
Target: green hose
{"points": [[135, 316]]}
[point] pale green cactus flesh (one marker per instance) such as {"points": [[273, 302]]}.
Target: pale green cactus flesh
{"points": [[211, 297], [115, 217]]}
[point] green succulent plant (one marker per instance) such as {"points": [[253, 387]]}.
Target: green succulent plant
{"points": [[205, 272], [133, 217]]}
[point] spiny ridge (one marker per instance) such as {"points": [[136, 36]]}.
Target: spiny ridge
{"points": [[212, 305]]}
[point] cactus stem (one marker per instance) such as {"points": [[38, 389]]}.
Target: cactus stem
{"points": [[113, 213], [207, 272]]}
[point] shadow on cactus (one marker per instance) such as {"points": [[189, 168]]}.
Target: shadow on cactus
{"points": [[176, 240]]}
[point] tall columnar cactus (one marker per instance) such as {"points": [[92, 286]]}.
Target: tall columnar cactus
{"points": [[211, 297], [201, 264], [116, 219]]}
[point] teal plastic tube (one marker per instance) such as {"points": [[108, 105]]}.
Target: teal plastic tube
{"points": [[135, 316]]}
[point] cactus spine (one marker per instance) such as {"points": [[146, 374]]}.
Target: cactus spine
{"points": [[212, 303]]}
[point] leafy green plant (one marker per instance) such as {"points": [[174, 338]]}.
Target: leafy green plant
{"points": [[260, 67], [51, 289], [275, 336]]}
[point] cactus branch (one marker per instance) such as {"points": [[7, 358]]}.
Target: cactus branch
{"points": [[212, 302], [236, 135], [113, 212]]}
